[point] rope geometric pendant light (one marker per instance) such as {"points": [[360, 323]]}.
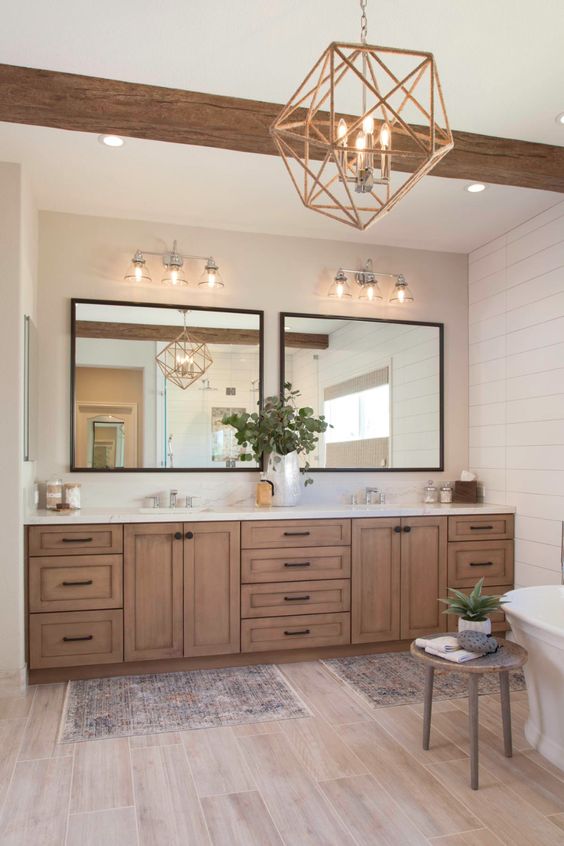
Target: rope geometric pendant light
{"points": [[184, 360], [363, 128]]}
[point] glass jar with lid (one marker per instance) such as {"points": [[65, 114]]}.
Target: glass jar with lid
{"points": [[53, 493], [445, 494], [430, 493]]}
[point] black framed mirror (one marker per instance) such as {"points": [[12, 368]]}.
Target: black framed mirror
{"points": [[379, 383], [150, 384]]}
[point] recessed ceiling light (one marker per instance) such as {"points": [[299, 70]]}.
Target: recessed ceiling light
{"points": [[111, 140], [560, 118], [476, 187]]}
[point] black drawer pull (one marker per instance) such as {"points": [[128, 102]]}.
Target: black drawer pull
{"points": [[82, 637], [189, 535], [297, 564], [78, 583], [481, 563], [397, 529], [296, 534], [296, 598], [77, 540], [303, 632], [178, 535], [407, 528], [481, 528]]}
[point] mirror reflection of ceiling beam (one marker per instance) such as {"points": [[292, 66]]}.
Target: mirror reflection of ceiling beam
{"points": [[146, 332]]}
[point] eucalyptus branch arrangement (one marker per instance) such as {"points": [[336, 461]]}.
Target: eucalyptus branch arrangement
{"points": [[279, 427], [474, 606]]}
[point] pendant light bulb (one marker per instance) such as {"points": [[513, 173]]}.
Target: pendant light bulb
{"points": [[385, 136], [360, 141], [342, 130], [368, 125]]}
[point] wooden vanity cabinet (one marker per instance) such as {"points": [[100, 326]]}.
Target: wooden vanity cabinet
{"points": [[153, 588], [399, 569], [212, 577]]}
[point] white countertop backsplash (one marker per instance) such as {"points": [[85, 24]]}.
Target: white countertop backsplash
{"points": [[250, 512]]}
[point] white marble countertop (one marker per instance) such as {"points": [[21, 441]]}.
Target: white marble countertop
{"points": [[239, 512]]}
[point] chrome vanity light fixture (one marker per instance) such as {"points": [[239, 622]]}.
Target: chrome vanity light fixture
{"points": [[173, 263], [184, 360], [367, 280]]}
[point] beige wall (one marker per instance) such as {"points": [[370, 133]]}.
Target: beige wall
{"points": [[86, 257]]}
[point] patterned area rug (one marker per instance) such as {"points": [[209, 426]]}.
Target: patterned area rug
{"points": [[137, 705], [395, 678]]}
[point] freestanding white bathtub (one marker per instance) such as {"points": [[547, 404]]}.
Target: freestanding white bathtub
{"points": [[536, 615]]}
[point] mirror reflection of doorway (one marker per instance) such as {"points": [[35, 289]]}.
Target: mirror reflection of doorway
{"points": [[107, 449]]}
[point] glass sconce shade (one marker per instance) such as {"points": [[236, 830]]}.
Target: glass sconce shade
{"points": [[137, 271], [401, 293], [174, 273], [340, 288], [370, 292], [211, 277]]}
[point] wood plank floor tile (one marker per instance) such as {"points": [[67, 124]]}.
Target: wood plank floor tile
{"points": [[116, 827], [515, 822], [11, 736], [43, 723], [425, 800], [216, 761], [490, 718], [531, 782], [164, 738], [167, 805], [36, 807], [240, 819], [439, 706], [257, 728], [557, 819], [541, 761], [16, 706], [330, 698], [321, 752], [406, 727], [101, 776], [300, 812], [371, 814], [479, 837]]}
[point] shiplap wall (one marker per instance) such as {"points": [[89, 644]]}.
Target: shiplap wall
{"points": [[516, 402]]}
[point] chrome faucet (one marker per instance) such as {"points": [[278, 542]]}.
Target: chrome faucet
{"points": [[172, 501], [371, 492]]}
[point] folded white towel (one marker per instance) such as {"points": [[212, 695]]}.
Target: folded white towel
{"points": [[441, 644], [458, 657]]}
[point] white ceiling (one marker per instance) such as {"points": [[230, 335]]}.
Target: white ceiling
{"points": [[501, 65]]}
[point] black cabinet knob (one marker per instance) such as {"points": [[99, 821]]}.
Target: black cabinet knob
{"points": [[189, 535], [397, 529], [407, 528], [178, 535]]}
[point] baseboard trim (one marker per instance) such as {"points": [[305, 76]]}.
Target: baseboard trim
{"points": [[242, 659]]}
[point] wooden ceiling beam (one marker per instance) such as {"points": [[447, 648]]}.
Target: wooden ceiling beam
{"points": [[92, 104], [209, 335]]}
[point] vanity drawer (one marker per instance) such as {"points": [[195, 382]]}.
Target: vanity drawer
{"points": [[268, 534], [499, 623], [274, 633], [468, 527], [68, 540], [297, 564], [75, 638], [75, 582], [469, 561], [282, 599]]}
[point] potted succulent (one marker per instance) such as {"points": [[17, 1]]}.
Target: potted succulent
{"points": [[279, 433], [472, 609]]}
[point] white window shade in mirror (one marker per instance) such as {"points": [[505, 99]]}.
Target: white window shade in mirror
{"points": [[145, 396], [379, 384]]}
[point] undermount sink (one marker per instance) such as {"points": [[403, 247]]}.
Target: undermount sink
{"points": [[149, 509]]}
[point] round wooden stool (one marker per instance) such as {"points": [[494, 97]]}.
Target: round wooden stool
{"points": [[510, 656]]}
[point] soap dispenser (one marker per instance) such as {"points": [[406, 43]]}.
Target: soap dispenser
{"points": [[265, 492]]}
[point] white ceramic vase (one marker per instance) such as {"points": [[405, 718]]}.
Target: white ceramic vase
{"points": [[484, 626], [284, 473]]}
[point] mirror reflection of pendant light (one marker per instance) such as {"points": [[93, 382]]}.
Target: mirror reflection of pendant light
{"points": [[211, 277], [401, 293], [184, 360], [341, 163], [137, 271]]}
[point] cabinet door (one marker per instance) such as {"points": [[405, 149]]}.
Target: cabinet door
{"points": [[423, 575], [153, 620], [212, 578], [375, 596]]}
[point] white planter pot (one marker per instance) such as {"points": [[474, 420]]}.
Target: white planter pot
{"points": [[484, 626], [284, 473]]}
